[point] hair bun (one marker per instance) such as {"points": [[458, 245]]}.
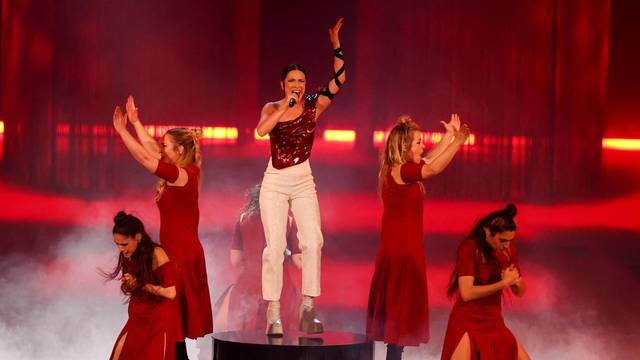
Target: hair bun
{"points": [[510, 211], [196, 133], [120, 217], [405, 119]]}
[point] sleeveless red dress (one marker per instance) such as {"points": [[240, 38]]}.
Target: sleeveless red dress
{"points": [[153, 320], [179, 218], [481, 318], [398, 309]]}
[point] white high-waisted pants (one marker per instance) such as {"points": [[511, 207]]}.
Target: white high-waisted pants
{"points": [[291, 187]]}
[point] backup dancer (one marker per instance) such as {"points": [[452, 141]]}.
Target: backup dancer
{"points": [[487, 263], [149, 279], [288, 185], [398, 311]]}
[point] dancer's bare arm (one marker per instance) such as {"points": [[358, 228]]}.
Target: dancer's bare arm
{"points": [[439, 163], [469, 291], [450, 128], [139, 153], [147, 141]]}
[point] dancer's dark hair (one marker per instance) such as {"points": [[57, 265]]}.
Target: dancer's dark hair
{"points": [[129, 225], [496, 222]]}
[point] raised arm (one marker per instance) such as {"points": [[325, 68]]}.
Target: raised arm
{"points": [[138, 152], [440, 162], [147, 141], [469, 292], [450, 128], [339, 73]]}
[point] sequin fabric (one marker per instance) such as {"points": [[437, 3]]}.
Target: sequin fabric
{"points": [[291, 141]]}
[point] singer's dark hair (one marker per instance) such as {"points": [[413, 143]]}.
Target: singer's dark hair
{"points": [[496, 222], [289, 68]]}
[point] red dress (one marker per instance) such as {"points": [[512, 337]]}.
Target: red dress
{"points": [[152, 319], [481, 318], [179, 218], [398, 304], [247, 310]]}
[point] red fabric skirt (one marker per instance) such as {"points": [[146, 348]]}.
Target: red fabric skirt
{"points": [[150, 331], [195, 303], [398, 311], [489, 337]]}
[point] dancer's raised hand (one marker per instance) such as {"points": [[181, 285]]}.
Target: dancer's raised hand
{"points": [[119, 121], [334, 33], [132, 110], [453, 125], [463, 134]]}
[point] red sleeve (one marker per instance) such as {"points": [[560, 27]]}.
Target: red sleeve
{"points": [[167, 171], [167, 274], [466, 261], [236, 243], [411, 172], [292, 238]]}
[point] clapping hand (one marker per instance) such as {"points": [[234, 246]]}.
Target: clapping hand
{"points": [[132, 110], [462, 134], [119, 121], [453, 125]]}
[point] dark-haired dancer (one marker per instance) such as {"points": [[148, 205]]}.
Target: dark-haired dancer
{"points": [[288, 183], [487, 264], [398, 311], [177, 164], [149, 279]]}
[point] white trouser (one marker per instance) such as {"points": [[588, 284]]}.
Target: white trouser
{"points": [[291, 187]]}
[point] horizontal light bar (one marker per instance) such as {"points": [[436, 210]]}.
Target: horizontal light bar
{"points": [[340, 135], [621, 144], [226, 135], [220, 133]]}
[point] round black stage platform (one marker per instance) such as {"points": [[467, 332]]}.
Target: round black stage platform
{"points": [[237, 345]]}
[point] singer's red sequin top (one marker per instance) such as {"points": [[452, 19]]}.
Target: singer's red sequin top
{"points": [[291, 141]]}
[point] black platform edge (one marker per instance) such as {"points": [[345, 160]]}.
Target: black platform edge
{"points": [[240, 345]]}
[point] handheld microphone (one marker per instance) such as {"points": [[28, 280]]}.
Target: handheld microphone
{"points": [[292, 102]]}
